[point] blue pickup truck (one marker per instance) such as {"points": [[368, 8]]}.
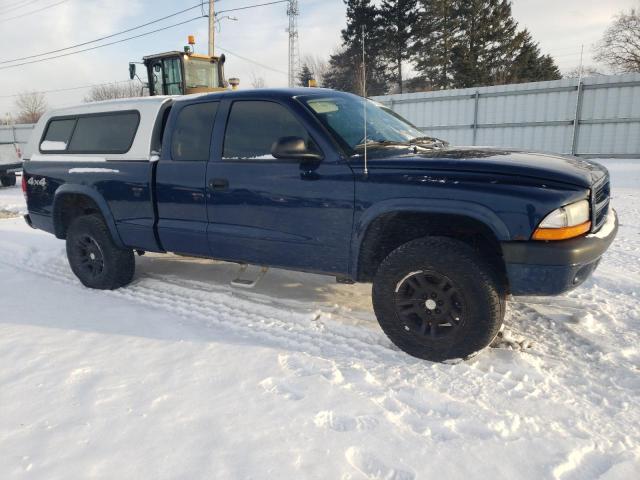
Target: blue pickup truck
{"points": [[288, 178]]}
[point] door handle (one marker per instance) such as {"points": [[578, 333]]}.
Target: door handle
{"points": [[218, 184]]}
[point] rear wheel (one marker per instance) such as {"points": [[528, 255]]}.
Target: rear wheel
{"points": [[437, 299], [8, 180], [94, 257]]}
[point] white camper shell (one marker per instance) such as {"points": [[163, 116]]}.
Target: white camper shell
{"points": [[146, 109]]}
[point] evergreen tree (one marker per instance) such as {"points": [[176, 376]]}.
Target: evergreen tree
{"points": [[398, 18], [304, 76], [485, 43], [529, 65], [435, 33], [345, 66]]}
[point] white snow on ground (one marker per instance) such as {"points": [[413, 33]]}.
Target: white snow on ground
{"points": [[12, 201], [181, 376]]}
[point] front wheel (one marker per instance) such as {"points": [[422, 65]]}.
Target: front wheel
{"points": [[438, 299], [94, 257]]}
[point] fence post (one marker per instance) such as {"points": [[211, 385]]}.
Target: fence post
{"points": [[476, 97], [576, 119]]}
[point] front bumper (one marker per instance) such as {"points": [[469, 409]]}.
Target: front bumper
{"points": [[552, 268]]}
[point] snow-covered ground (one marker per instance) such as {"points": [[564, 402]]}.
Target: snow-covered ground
{"points": [[180, 376]]}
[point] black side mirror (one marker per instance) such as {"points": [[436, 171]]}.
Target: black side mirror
{"points": [[132, 71], [294, 148]]}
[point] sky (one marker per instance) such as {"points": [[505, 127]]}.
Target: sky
{"points": [[258, 35]]}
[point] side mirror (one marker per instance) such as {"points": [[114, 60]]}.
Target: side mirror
{"points": [[132, 71], [294, 148]]}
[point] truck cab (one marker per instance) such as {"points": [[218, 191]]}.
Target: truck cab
{"points": [[183, 73]]}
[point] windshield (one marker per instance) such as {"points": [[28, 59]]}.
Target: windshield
{"points": [[344, 116], [201, 73]]}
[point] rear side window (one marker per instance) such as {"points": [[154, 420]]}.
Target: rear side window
{"points": [[102, 133], [111, 133], [58, 134], [191, 137], [254, 126]]}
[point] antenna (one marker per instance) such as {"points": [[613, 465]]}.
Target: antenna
{"points": [[294, 48], [364, 103]]}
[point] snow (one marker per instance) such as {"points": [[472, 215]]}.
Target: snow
{"points": [[53, 145], [12, 201], [93, 170], [180, 375]]}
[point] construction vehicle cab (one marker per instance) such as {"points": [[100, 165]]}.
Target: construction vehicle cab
{"points": [[180, 73]]}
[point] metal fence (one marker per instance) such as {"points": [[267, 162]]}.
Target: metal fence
{"points": [[598, 117], [15, 133], [12, 141]]}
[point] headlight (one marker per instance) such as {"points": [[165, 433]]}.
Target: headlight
{"points": [[566, 222]]}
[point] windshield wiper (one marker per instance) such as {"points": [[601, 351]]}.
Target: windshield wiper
{"points": [[429, 140], [381, 142]]}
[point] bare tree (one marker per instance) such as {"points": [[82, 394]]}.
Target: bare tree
{"points": [[256, 81], [112, 91], [587, 71], [619, 48], [318, 66], [30, 106], [7, 119]]}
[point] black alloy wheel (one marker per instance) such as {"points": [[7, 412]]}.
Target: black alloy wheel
{"points": [[89, 255], [430, 304]]}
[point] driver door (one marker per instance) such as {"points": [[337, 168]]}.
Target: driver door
{"points": [[267, 211]]}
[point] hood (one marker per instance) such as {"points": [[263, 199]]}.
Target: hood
{"points": [[543, 166]]}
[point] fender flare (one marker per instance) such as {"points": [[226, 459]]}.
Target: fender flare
{"points": [[462, 208], [93, 194]]}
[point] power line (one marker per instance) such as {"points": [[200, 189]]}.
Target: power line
{"points": [[101, 38], [3, 20], [101, 46], [70, 88], [16, 6], [199, 5], [252, 6], [8, 5], [246, 59]]}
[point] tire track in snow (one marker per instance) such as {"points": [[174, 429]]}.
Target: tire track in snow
{"points": [[364, 362]]}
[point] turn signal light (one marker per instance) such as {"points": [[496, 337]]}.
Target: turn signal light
{"points": [[563, 233]]}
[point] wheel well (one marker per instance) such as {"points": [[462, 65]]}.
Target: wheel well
{"points": [[389, 231], [70, 206]]}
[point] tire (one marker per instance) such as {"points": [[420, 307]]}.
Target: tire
{"points": [[94, 257], [437, 299], [8, 180]]}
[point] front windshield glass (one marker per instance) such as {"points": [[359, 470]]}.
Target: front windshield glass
{"points": [[201, 73], [344, 116]]}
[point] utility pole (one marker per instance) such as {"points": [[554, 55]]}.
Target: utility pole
{"points": [[212, 24], [294, 48]]}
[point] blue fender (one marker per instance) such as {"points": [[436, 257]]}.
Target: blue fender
{"points": [[93, 194], [462, 208]]}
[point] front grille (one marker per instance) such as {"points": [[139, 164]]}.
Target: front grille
{"points": [[602, 193], [600, 196]]}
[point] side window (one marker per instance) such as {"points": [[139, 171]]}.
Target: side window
{"points": [[173, 76], [191, 137], [254, 126], [57, 135], [109, 133]]}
